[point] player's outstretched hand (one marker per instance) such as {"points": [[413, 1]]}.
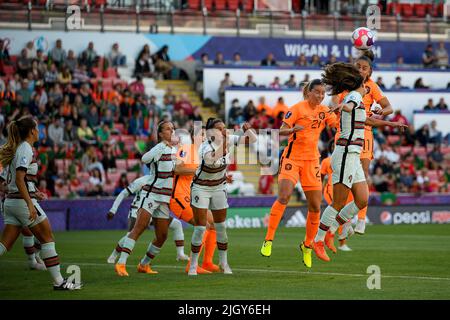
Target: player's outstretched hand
{"points": [[297, 128], [229, 178], [336, 108], [109, 216], [246, 126], [401, 126], [41, 196]]}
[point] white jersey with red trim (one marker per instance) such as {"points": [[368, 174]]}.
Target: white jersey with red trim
{"points": [[23, 160]]}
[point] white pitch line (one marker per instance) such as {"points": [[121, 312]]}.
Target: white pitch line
{"points": [[262, 271]]}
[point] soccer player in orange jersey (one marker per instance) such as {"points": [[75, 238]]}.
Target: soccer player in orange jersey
{"points": [[300, 162], [373, 95], [180, 203]]}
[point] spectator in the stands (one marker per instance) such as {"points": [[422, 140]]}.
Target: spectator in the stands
{"points": [[398, 117], [204, 61], [423, 135], [429, 106], [226, 82], [71, 61], [65, 77], [398, 84], [264, 106], [137, 86], [250, 83], [92, 117], [435, 134], [260, 121], [420, 85], [144, 66], [280, 107], [399, 63], [301, 61], [441, 105], [95, 184], [103, 135], [184, 104], [315, 61], [4, 53], [237, 59], [196, 115], [108, 118], [406, 177], [43, 188], [89, 56], [80, 75], [435, 157], [56, 132], [30, 50], [428, 57], [116, 58], [58, 54], [70, 137], [380, 83], [109, 159], [163, 63], [442, 56], [291, 83], [85, 92], [180, 118], [332, 59], [23, 64], [269, 61], [422, 178], [85, 134], [136, 123], [219, 60], [379, 180], [249, 111], [122, 183], [154, 106], [387, 153], [276, 84], [236, 114]]}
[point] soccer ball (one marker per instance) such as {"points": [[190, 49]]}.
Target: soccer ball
{"points": [[363, 38]]}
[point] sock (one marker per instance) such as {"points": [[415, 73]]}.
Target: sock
{"points": [[312, 225], [196, 244], [2, 249], [275, 216], [328, 216], [347, 213], [178, 235], [362, 214], [118, 249], [152, 252], [127, 248], [28, 245], [210, 246], [342, 242], [222, 242], [340, 229], [51, 260]]}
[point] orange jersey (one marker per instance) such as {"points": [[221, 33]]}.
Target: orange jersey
{"points": [[374, 94], [182, 183], [279, 107], [303, 144], [262, 107]]}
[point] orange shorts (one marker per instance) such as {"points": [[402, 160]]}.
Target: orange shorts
{"points": [[328, 194], [307, 171], [367, 150], [181, 207]]}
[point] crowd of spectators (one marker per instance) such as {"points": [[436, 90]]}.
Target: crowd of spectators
{"points": [[86, 122]]}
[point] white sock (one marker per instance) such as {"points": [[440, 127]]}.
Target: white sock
{"points": [[347, 213], [326, 221], [178, 235], [127, 248], [222, 242], [152, 252], [333, 228], [180, 251], [2, 249], [197, 239], [51, 260], [28, 246]]}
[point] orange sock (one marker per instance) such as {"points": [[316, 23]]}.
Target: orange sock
{"points": [[362, 214], [340, 229], [275, 216], [210, 246], [312, 225]]}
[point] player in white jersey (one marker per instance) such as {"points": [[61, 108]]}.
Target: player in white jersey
{"points": [[21, 208], [135, 188], [208, 189], [348, 174], [29, 242], [155, 197]]}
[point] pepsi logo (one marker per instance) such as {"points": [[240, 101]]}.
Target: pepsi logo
{"points": [[386, 217]]}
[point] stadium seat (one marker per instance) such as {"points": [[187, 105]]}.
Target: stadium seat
{"points": [[132, 176], [437, 10], [60, 165], [131, 163], [110, 73], [97, 72], [420, 10], [248, 5], [420, 151], [296, 6], [233, 4], [433, 175], [121, 164], [220, 4], [119, 127], [208, 4], [194, 4], [407, 10], [404, 150], [393, 8], [8, 70], [393, 139], [115, 176]]}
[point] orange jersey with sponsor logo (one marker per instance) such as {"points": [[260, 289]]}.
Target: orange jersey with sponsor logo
{"points": [[182, 183], [373, 94], [303, 144]]}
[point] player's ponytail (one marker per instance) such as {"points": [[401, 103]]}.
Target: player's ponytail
{"points": [[18, 131], [341, 77]]}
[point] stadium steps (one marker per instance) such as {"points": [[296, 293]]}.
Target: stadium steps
{"points": [[182, 86]]}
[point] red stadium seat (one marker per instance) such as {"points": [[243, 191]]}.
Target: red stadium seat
{"points": [[97, 72], [132, 176], [121, 164], [393, 8], [420, 151], [404, 150], [60, 165], [437, 10], [208, 4], [110, 73], [119, 127], [220, 4], [248, 5], [407, 10], [132, 163], [8, 70], [420, 10], [233, 4], [393, 139], [194, 4], [296, 6]]}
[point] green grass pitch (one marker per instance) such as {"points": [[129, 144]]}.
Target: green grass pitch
{"points": [[414, 263]]}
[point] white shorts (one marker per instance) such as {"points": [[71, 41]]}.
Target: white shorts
{"points": [[133, 212], [16, 213], [347, 168], [212, 200], [155, 208]]}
